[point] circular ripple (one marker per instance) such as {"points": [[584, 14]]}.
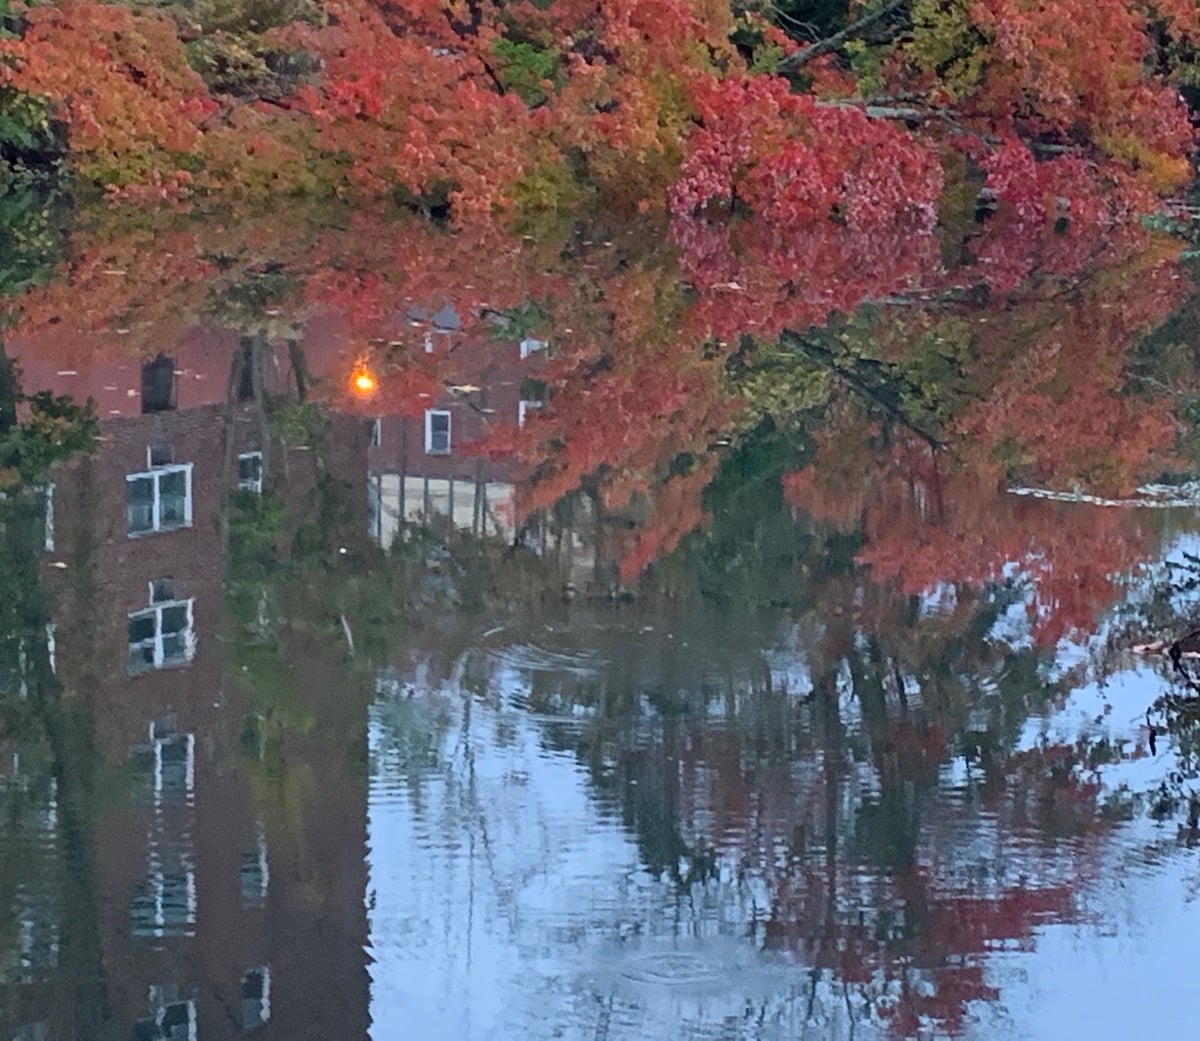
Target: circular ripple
{"points": [[671, 969]]}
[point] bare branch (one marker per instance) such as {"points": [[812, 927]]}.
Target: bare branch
{"points": [[832, 43]]}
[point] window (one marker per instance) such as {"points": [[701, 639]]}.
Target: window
{"points": [[165, 905], [437, 432], [523, 408], [243, 363], [164, 902], [158, 385], [161, 635], [160, 454], [531, 346], [166, 766], [175, 764], [376, 432], [162, 590], [250, 472], [172, 1020], [256, 997], [159, 499], [255, 874]]}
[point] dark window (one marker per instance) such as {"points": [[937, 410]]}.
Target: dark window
{"points": [[141, 627], [437, 432], [175, 758], [161, 635], [158, 385], [162, 590], [140, 504], [256, 1002], [250, 472], [245, 390], [177, 1021]]}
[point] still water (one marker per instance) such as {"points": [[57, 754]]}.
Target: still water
{"points": [[438, 665]]}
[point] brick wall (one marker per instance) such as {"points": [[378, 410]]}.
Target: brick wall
{"points": [[310, 815]]}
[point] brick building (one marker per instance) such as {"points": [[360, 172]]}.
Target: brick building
{"points": [[230, 890]]}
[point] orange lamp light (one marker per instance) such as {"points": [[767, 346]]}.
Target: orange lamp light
{"points": [[363, 382]]}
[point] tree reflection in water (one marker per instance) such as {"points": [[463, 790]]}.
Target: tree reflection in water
{"points": [[719, 681]]}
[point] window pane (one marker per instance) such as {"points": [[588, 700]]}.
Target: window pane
{"points": [[176, 912], [141, 627], [437, 428], [172, 492], [249, 467], [174, 755], [161, 590], [140, 501], [176, 1021], [174, 619], [174, 649], [158, 385], [254, 1007], [141, 656]]}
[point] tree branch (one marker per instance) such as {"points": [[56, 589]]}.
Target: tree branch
{"points": [[910, 113], [826, 358], [832, 43]]}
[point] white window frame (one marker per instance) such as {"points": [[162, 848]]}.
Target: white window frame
{"points": [[189, 634], [250, 484], [155, 475], [189, 770], [523, 407], [430, 449]]}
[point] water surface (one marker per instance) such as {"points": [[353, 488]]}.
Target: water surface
{"points": [[487, 653]]}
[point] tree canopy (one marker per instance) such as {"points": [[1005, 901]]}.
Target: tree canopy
{"points": [[860, 114]]}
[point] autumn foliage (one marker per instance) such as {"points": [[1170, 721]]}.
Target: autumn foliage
{"points": [[485, 107], [960, 160]]}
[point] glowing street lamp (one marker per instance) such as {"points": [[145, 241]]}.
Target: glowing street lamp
{"points": [[363, 381]]}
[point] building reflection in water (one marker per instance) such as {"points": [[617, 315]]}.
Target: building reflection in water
{"points": [[670, 828], [229, 879]]}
